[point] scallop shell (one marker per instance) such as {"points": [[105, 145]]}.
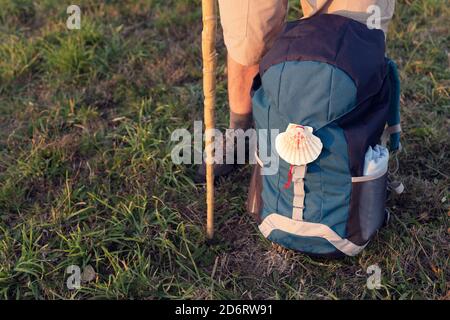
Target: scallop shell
{"points": [[297, 145]]}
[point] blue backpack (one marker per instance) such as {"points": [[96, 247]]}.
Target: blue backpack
{"points": [[328, 78]]}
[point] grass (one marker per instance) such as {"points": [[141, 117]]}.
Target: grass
{"points": [[86, 176]]}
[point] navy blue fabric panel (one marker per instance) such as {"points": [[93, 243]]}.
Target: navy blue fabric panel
{"points": [[394, 114], [312, 39], [394, 105], [336, 40], [256, 84], [364, 126], [362, 55]]}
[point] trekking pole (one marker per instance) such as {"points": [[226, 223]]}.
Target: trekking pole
{"points": [[209, 91]]}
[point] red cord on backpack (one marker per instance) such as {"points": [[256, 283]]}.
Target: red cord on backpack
{"points": [[287, 185]]}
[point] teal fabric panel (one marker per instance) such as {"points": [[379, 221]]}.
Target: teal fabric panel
{"points": [[328, 184], [271, 83], [296, 92], [309, 93], [266, 116], [335, 181], [261, 107], [270, 195], [314, 245], [285, 197]]}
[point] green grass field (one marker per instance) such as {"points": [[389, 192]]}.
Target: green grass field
{"points": [[86, 176]]}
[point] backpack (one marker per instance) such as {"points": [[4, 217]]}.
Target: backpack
{"points": [[326, 81]]}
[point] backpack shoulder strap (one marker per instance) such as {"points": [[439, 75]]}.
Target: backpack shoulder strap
{"points": [[393, 129]]}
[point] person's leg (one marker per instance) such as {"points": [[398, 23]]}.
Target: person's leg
{"points": [[240, 80], [377, 13], [249, 29]]}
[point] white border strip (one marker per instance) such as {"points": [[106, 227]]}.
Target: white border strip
{"points": [[298, 202], [276, 221], [371, 177]]}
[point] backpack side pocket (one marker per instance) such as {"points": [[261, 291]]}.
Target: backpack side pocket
{"points": [[367, 207]]}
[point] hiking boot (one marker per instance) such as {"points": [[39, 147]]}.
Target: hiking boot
{"points": [[223, 169]]}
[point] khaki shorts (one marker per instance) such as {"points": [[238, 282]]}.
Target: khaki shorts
{"points": [[250, 26]]}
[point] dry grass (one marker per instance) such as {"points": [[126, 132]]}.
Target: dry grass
{"points": [[86, 176]]}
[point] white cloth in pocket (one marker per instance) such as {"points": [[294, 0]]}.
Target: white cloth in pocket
{"points": [[376, 161]]}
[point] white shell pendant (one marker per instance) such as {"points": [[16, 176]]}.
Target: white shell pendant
{"points": [[297, 145]]}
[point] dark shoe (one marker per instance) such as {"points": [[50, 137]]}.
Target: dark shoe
{"points": [[223, 169], [220, 170]]}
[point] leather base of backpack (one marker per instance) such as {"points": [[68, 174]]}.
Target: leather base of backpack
{"points": [[254, 200]]}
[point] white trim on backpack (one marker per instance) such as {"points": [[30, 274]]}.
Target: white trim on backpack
{"points": [[298, 203], [369, 178], [276, 221]]}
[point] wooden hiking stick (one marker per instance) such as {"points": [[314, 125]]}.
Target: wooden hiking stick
{"points": [[209, 91]]}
